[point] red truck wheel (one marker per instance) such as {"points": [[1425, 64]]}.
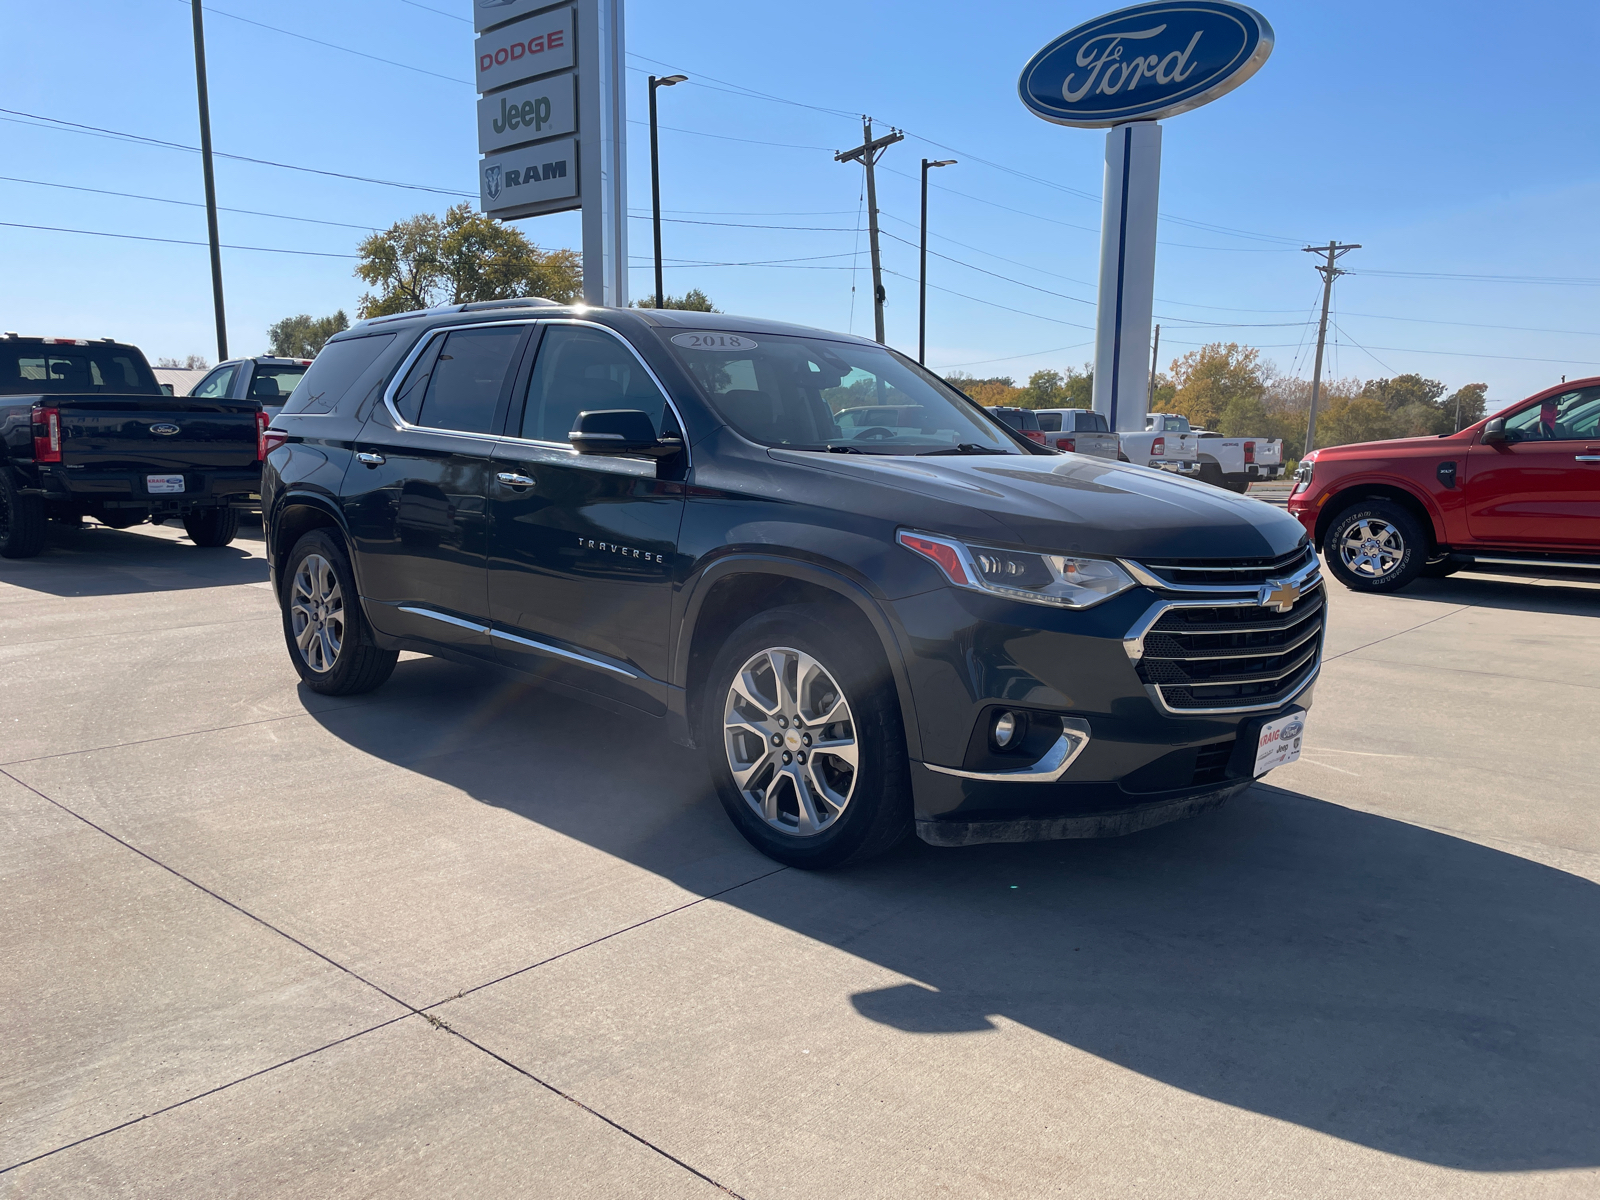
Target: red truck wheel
{"points": [[1375, 546]]}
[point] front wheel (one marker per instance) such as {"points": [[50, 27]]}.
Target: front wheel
{"points": [[329, 640], [212, 526], [802, 731], [1375, 546]]}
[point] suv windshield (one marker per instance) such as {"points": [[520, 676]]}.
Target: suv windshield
{"points": [[812, 394]]}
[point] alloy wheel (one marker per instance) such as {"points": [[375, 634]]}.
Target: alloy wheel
{"points": [[1371, 548], [791, 741], [316, 612]]}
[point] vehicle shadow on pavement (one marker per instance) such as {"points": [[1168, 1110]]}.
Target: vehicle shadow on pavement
{"points": [[1574, 594], [1386, 984], [94, 560]]}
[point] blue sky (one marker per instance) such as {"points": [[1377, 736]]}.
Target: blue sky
{"points": [[1448, 139]]}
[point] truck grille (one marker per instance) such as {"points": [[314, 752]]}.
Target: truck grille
{"points": [[1243, 572], [1201, 658]]}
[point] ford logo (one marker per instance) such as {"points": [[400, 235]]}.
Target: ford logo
{"points": [[163, 429], [1145, 62]]}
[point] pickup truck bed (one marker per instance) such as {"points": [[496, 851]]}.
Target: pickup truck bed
{"points": [[122, 454]]}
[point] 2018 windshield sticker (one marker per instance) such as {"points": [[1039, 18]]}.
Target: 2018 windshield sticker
{"points": [[713, 341]]}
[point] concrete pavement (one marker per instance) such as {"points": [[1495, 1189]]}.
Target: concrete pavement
{"points": [[461, 937]]}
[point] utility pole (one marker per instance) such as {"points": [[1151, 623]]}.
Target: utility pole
{"points": [[1155, 354], [211, 182], [655, 178], [868, 153], [922, 293], [1329, 273]]}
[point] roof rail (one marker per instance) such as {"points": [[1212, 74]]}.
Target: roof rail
{"points": [[518, 302]]}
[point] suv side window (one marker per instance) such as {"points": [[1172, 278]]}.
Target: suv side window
{"points": [[467, 378], [580, 369], [216, 385], [1565, 417]]}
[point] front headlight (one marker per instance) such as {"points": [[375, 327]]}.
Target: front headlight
{"points": [[1061, 580]]}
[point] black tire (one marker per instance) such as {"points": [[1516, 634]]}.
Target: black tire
{"points": [[212, 526], [356, 664], [1375, 546], [22, 520], [877, 812], [1237, 483], [1211, 473]]}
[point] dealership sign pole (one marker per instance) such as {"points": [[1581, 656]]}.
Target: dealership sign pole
{"points": [[552, 125], [1127, 70]]}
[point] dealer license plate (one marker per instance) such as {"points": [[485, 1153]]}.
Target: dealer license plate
{"points": [[158, 485], [1280, 742]]}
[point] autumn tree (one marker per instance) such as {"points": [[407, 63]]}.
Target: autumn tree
{"points": [[303, 336], [995, 391], [694, 300], [1207, 379], [458, 259], [1467, 405]]}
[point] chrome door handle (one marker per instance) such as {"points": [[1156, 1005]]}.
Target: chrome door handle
{"points": [[372, 460], [1587, 457], [512, 479]]}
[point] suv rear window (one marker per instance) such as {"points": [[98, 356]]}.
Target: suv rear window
{"points": [[30, 368], [272, 383], [334, 371]]}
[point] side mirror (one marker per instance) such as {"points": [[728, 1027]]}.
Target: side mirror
{"points": [[620, 431], [1495, 431]]}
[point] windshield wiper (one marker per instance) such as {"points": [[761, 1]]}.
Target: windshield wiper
{"points": [[963, 448]]}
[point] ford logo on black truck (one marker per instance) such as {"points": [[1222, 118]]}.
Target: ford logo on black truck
{"points": [[163, 429]]}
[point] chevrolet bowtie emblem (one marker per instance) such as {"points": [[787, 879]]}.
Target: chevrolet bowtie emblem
{"points": [[1281, 596]]}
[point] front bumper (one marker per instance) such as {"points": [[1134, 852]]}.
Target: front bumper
{"points": [[1177, 467], [1114, 755]]}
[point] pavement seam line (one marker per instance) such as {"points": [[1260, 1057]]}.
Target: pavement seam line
{"points": [[605, 937], [221, 1087], [1401, 632], [85, 637], [263, 922], [623, 1129]]}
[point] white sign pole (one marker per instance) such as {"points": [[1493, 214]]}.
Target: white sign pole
{"points": [[1127, 275], [603, 152]]}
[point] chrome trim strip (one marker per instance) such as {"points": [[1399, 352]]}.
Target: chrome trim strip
{"points": [[1155, 583], [545, 648], [1154, 693], [1051, 767], [445, 617], [1274, 653], [1304, 658], [1574, 565]]}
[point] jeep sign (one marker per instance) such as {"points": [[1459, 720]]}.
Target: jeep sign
{"points": [[528, 112]]}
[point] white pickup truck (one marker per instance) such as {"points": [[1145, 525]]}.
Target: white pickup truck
{"points": [[1232, 463], [1166, 444], [1077, 431]]}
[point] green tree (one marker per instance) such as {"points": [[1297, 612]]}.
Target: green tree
{"points": [[1244, 416], [1413, 404], [1207, 379], [1467, 405], [303, 336], [694, 300], [458, 259], [194, 362], [997, 390], [1046, 389], [1362, 419]]}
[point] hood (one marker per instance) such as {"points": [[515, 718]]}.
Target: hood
{"points": [[1074, 504], [1408, 445]]}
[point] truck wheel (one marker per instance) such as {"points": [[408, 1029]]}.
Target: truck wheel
{"points": [[1375, 546], [329, 640], [212, 526], [1211, 473], [1238, 483], [22, 521], [803, 736]]}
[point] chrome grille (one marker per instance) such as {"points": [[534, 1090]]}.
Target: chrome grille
{"points": [[1240, 572], [1229, 657]]}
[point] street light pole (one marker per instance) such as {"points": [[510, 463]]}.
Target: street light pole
{"points": [[655, 178], [211, 183], [922, 295]]}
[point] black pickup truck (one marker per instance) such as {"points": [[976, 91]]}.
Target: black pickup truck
{"points": [[85, 430]]}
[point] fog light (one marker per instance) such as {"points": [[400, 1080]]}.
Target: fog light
{"points": [[1005, 728]]}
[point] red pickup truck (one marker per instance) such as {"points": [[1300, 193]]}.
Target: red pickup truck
{"points": [[1519, 488]]}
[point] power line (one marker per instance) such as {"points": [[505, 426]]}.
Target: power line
{"points": [[173, 241], [741, 225], [437, 11], [723, 137], [992, 274], [1013, 357], [1571, 281], [992, 304], [186, 203], [332, 45], [99, 131]]}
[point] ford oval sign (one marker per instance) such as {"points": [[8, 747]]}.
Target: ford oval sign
{"points": [[1145, 62]]}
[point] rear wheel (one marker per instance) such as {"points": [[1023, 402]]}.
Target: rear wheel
{"points": [[212, 526], [1375, 546], [1212, 474], [22, 520], [329, 640], [802, 731]]}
